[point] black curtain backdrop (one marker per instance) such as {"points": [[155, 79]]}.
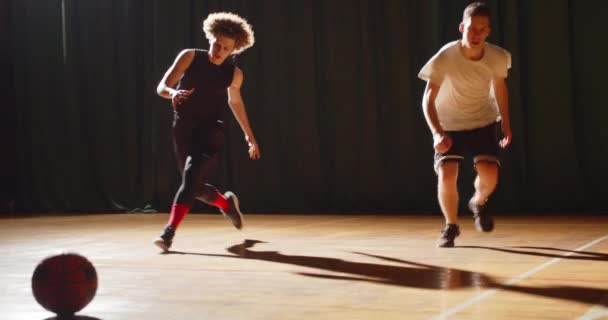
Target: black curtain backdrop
{"points": [[8, 130], [332, 93]]}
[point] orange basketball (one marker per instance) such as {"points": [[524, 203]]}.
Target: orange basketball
{"points": [[65, 283]]}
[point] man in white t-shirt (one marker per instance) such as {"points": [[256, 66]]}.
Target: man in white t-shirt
{"points": [[465, 100]]}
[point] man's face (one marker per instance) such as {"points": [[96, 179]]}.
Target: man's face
{"points": [[475, 30], [220, 48]]}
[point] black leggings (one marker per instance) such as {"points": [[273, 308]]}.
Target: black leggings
{"points": [[196, 144]]}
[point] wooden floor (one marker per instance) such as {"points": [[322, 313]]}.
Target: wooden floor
{"points": [[317, 267]]}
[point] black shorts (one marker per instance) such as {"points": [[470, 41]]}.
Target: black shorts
{"points": [[481, 144], [197, 138]]}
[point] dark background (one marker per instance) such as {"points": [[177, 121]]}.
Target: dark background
{"points": [[332, 95]]}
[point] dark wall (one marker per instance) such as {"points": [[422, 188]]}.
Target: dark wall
{"points": [[332, 94], [8, 130]]}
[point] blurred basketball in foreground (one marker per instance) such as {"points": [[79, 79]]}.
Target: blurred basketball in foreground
{"points": [[64, 283]]}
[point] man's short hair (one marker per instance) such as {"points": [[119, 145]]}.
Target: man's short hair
{"points": [[476, 9]]}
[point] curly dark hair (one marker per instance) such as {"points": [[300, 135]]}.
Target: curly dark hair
{"points": [[232, 26]]}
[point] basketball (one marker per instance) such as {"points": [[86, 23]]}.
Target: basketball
{"points": [[64, 283]]}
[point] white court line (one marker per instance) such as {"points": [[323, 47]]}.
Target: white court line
{"points": [[491, 292], [597, 312]]}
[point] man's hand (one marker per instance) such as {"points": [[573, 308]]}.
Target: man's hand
{"points": [[442, 142]]}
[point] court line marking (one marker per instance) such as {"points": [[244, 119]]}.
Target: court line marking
{"points": [[488, 293], [598, 311]]}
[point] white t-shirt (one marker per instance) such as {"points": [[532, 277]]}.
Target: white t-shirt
{"points": [[466, 97]]}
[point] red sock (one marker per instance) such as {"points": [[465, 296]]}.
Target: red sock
{"points": [[220, 202], [178, 212]]}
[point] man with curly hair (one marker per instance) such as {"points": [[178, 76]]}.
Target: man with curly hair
{"points": [[465, 101], [199, 83]]}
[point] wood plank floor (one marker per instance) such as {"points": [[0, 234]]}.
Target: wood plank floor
{"points": [[317, 267]]}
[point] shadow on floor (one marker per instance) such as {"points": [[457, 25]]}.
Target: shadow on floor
{"points": [[411, 274]]}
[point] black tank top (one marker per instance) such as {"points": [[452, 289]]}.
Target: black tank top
{"points": [[210, 83]]}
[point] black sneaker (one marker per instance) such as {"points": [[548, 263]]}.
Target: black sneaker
{"points": [[448, 234], [234, 212], [165, 239], [483, 220]]}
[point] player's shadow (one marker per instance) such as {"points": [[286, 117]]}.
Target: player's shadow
{"points": [[572, 255], [414, 275]]}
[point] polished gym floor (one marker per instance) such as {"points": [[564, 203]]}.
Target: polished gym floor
{"points": [[316, 267]]}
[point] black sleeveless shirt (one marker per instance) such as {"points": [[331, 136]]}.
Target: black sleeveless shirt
{"points": [[210, 83]]}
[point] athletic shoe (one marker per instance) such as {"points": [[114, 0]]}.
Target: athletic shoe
{"points": [[165, 239], [483, 220], [233, 212], [448, 234]]}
